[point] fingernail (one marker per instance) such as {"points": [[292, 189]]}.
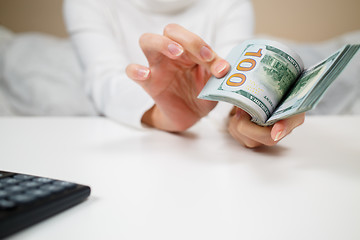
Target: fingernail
{"points": [[279, 136], [207, 54], [143, 73], [175, 49], [220, 67]]}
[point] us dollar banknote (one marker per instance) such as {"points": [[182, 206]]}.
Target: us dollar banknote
{"points": [[268, 80]]}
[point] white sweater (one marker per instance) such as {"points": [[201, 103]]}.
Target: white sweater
{"points": [[106, 32]]}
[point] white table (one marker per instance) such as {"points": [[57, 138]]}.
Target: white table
{"points": [[148, 184]]}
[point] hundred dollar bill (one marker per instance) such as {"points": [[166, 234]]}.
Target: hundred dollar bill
{"points": [[268, 80]]}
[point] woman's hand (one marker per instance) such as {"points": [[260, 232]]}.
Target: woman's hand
{"points": [[252, 135], [180, 64]]}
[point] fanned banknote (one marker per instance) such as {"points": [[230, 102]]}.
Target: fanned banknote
{"points": [[268, 80]]}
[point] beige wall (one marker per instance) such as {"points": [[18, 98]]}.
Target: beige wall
{"points": [[302, 20], [307, 20], [33, 15]]}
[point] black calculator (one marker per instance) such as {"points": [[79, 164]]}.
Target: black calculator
{"points": [[26, 199]]}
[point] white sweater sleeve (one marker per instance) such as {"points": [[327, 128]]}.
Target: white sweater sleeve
{"points": [[103, 58]]}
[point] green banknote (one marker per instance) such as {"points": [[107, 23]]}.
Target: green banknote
{"points": [[267, 80]]}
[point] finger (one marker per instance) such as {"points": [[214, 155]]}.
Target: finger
{"points": [[251, 130], [137, 72], [285, 126], [156, 46], [191, 42], [198, 48], [220, 67], [243, 140]]}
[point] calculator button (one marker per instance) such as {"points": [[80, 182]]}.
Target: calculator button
{"points": [[30, 184], [6, 204], [22, 177], [3, 194], [42, 180], [9, 180], [52, 188], [14, 189], [64, 184], [38, 193]]}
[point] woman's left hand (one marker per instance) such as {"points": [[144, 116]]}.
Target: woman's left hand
{"points": [[252, 135]]}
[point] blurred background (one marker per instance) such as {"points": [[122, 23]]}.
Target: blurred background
{"points": [[301, 20]]}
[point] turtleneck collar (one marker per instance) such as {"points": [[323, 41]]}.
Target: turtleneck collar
{"points": [[163, 6]]}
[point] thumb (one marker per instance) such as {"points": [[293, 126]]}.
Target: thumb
{"points": [[285, 126]]}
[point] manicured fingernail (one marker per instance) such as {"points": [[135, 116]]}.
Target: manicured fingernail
{"points": [[207, 54], [175, 49], [279, 136], [220, 67], [143, 73]]}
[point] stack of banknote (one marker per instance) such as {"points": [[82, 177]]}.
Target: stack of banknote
{"points": [[268, 80]]}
